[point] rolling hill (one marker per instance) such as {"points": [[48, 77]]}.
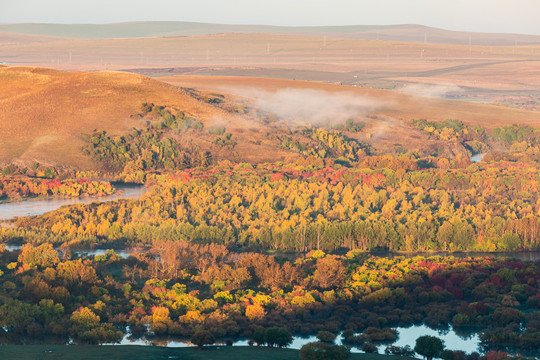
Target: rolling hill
{"points": [[388, 104], [10, 39], [367, 63], [404, 32], [45, 113]]}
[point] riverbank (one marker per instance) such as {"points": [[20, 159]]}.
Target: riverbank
{"points": [[40, 205], [56, 197], [118, 189], [375, 299], [14, 188], [525, 255], [406, 336]]}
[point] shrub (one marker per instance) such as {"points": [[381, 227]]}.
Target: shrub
{"points": [[217, 130], [369, 348], [399, 350], [326, 336], [202, 337], [322, 351]]}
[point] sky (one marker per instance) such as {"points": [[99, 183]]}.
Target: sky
{"points": [[508, 16]]}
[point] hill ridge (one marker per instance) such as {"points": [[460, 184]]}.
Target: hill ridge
{"points": [[397, 32], [45, 112]]}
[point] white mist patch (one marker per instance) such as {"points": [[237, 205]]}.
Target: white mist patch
{"points": [[316, 107], [430, 90], [218, 121]]}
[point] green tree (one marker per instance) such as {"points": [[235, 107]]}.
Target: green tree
{"points": [[369, 348], [202, 337], [429, 346], [277, 336], [326, 336], [258, 336]]}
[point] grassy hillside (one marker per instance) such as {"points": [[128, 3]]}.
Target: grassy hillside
{"points": [[409, 32], [387, 103], [45, 112]]}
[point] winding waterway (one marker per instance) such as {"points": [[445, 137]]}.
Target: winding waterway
{"points": [[406, 336], [124, 254], [12, 210], [38, 206]]}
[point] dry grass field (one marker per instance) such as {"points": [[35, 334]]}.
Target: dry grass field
{"points": [[11, 39], [387, 103], [382, 83], [400, 32], [257, 50], [45, 112], [468, 69]]}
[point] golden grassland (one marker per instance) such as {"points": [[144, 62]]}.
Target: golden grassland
{"points": [[258, 50], [45, 112], [467, 69], [394, 105]]}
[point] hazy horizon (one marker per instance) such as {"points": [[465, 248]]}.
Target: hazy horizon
{"points": [[491, 16]]}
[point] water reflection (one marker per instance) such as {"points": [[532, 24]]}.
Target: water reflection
{"points": [[11, 210], [523, 255], [452, 341], [406, 336], [124, 254], [478, 157]]}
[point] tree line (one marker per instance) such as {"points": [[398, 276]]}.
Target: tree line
{"points": [[180, 289], [484, 207]]}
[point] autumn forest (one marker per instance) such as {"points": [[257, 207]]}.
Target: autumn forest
{"points": [[345, 237]]}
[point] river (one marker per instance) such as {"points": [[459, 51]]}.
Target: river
{"points": [[38, 206], [124, 254], [518, 255], [478, 157], [406, 336]]}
